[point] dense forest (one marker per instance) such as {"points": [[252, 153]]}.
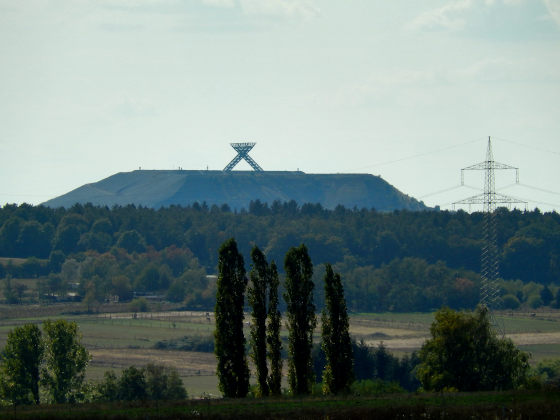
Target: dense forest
{"points": [[397, 261]]}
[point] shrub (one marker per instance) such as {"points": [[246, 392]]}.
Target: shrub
{"points": [[534, 301], [369, 387], [139, 305], [510, 302]]}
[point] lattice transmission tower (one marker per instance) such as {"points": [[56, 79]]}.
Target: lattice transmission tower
{"points": [[242, 150], [489, 199]]}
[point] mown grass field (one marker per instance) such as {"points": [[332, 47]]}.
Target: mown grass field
{"points": [[117, 339]]}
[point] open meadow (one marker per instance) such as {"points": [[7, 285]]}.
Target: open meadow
{"points": [[117, 339]]}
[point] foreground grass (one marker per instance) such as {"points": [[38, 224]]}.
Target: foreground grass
{"points": [[534, 404]]}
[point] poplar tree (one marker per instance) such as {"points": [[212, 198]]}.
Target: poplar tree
{"points": [[257, 295], [336, 342], [232, 370], [66, 360], [301, 318], [273, 334], [20, 367]]}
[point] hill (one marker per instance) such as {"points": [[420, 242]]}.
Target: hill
{"points": [[161, 188]]}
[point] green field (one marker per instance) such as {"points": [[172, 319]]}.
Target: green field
{"points": [[119, 339]]}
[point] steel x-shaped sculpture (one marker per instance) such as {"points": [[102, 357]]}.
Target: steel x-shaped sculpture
{"points": [[242, 150]]}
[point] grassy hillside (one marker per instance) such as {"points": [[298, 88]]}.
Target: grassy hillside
{"points": [[238, 189]]}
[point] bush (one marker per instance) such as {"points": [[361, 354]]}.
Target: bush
{"points": [[510, 302], [186, 343], [465, 352], [153, 382], [549, 370], [534, 301], [138, 305], [369, 387]]}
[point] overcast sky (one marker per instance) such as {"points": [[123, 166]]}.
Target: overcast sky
{"points": [[408, 90]]}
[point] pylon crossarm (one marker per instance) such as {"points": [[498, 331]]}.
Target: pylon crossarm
{"points": [[506, 199], [494, 198], [475, 199], [484, 166]]}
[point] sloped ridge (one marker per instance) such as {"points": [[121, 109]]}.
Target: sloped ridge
{"points": [[237, 189]]}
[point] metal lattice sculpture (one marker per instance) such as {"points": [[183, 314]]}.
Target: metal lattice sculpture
{"points": [[489, 200], [243, 150]]}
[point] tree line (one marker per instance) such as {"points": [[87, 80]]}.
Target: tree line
{"points": [[408, 261], [464, 352]]}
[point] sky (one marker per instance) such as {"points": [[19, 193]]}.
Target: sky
{"points": [[407, 90]]}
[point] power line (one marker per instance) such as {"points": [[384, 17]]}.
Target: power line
{"points": [[432, 152], [539, 189], [447, 190], [528, 146], [440, 192], [544, 203]]}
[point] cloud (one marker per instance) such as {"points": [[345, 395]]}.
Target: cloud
{"points": [[553, 7], [220, 3], [268, 8], [279, 8], [509, 17], [449, 16]]}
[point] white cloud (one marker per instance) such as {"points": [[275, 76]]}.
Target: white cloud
{"points": [[553, 7], [480, 14], [220, 3], [269, 8], [449, 16], [279, 8]]}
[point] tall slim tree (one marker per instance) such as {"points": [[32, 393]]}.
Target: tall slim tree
{"points": [[233, 371], [21, 361], [301, 318], [66, 360], [336, 342], [257, 295], [273, 334]]}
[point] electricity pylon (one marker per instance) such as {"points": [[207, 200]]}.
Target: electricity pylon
{"points": [[489, 199], [243, 150]]}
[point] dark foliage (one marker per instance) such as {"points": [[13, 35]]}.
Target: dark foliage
{"points": [[399, 261], [273, 341], [257, 297], [301, 318], [375, 363], [152, 382], [335, 335], [193, 343], [20, 365], [232, 370], [66, 360], [464, 353]]}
